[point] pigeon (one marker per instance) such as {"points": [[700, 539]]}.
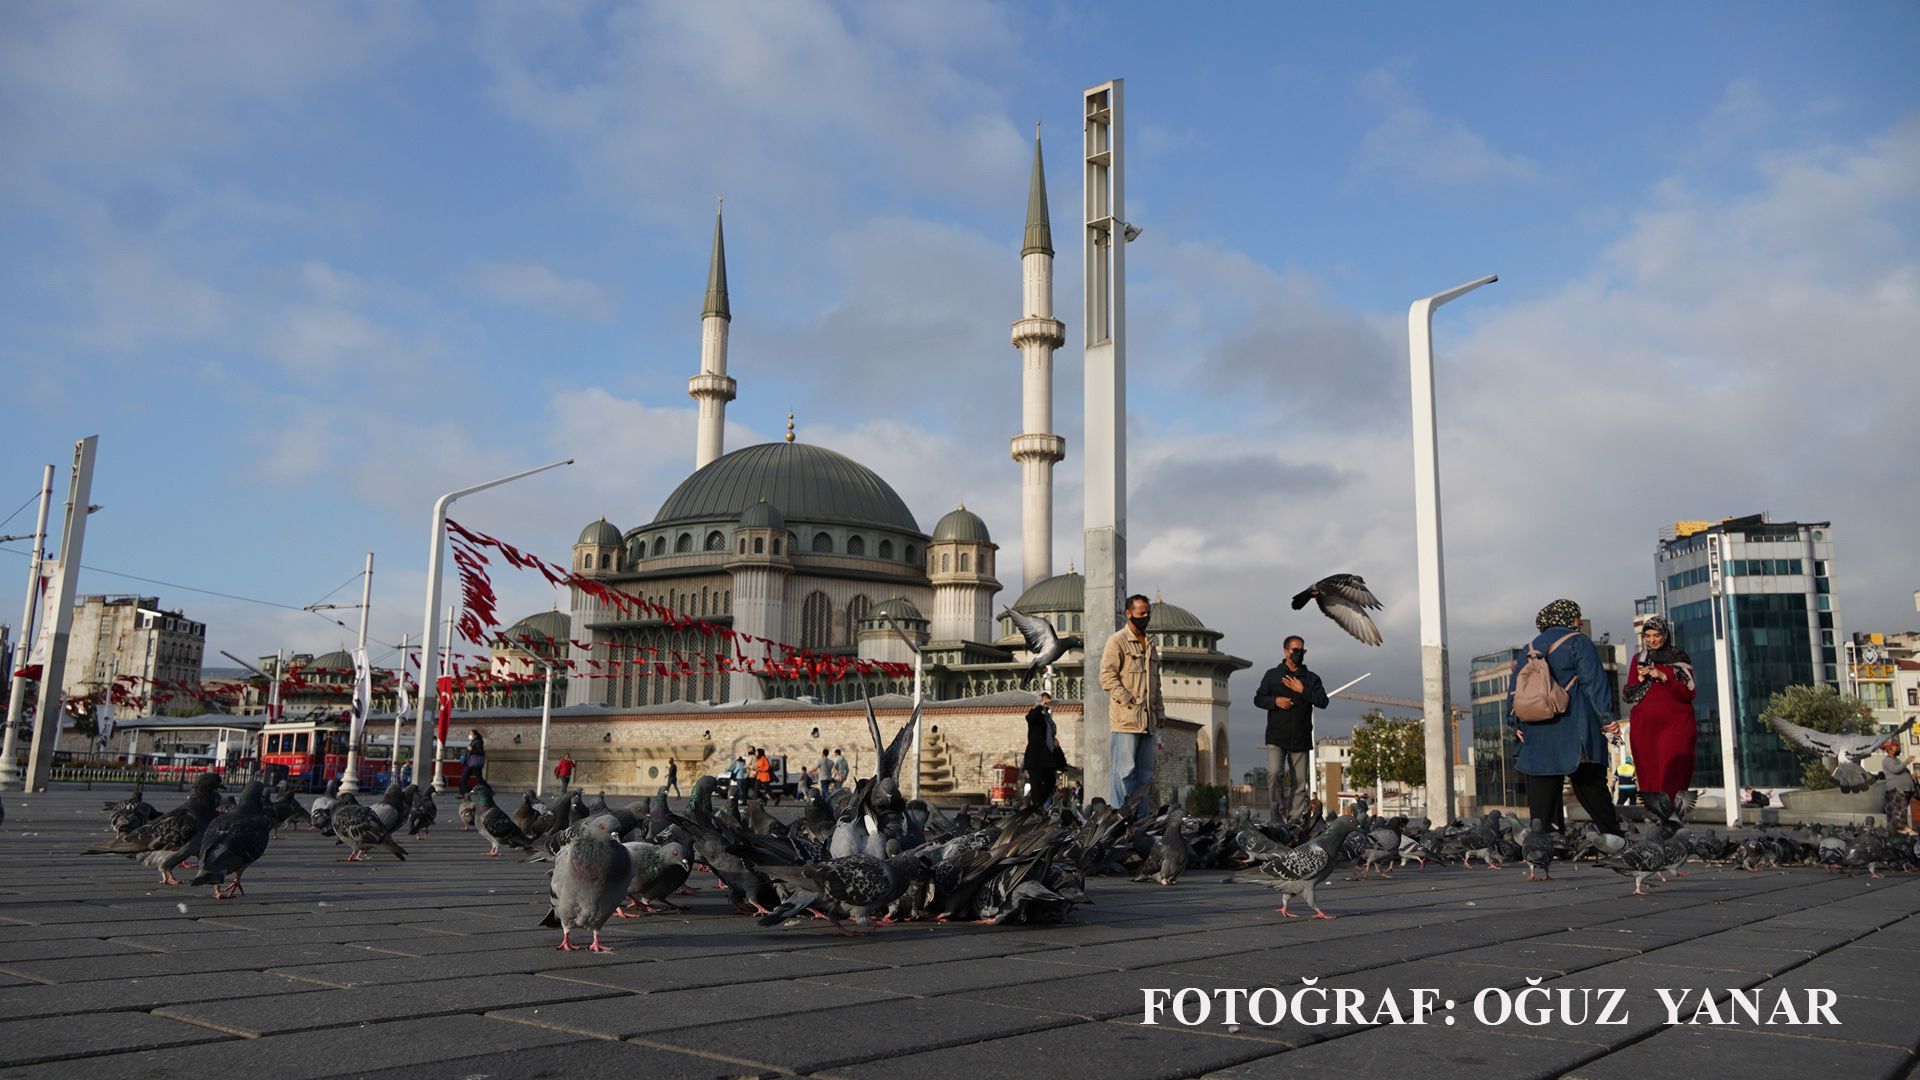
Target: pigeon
{"points": [[1170, 854], [361, 828], [494, 824], [285, 809], [1345, 599], [526, 814], [234, 842], [321, 815], [590, 877], [130, 813], [1639, 860], [1841, 754], [467, 812], [1300, 871], [392, 808], [1045, 645], [859, 883], [170, 839], [1383, 846], [421, 810], [658, 870], [1536, 846]]}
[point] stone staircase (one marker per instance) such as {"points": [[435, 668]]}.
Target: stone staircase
{"points": [[936, 772]]}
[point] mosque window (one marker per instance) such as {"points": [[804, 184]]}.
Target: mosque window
{"points": [[760, 545], [816, 621], [856, 545], [603, 561], [946, 562], [776, 545], [966, 562], [912, 555], [659, 546], [716, 542], [684, 544], [886, 549], [822, 543], [743, 545], [857, 609], [726, 601]]}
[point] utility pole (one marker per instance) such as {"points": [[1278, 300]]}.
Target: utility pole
{"points": [[1105, 460], [23, 652], [362, 695], [73, 535]]}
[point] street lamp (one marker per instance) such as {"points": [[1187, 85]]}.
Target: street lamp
{"points": [[1426, 507], [436, 558]]}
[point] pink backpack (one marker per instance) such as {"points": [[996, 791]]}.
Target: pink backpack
{"points": [[1536, 697]]}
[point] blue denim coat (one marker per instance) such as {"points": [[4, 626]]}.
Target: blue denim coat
{"points": [[1561, 745]]}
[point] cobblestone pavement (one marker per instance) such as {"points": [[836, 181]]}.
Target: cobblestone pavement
{"points": [[435, 968]]}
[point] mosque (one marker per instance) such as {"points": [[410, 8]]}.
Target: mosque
{"points": [[802, 545]]}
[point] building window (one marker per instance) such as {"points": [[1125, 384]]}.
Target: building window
{"points": [[659, 546], [946, 562], [684, 544], [966, 562], [816, 621], [743, 545], [726, 602], [760, 545], [856, 545], [886, 549], [822, 544], [857, 609], [716, 542], [603, 561], [776, 545], [912, 555]]}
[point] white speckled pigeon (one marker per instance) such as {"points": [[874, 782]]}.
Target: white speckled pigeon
{"points": [[362, 829], [590, 878], [1300, 871], [861, 884], [170, 839]]}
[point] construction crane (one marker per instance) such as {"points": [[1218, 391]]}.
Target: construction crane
{"points": [[1453, 727]]}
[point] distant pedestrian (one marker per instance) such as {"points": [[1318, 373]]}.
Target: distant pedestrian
{"points": [[1288, 694], [823, 773], [839, 770], [737, 781], [673, 776], [1624, 785], [1043, 758], [1572, 745], [1897, 800], [1660, 693], [763, 776], [564, 770], [474, 761]]}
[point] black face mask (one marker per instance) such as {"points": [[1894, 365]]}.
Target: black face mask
{"points": [[1298, 656], [1139, 622]]}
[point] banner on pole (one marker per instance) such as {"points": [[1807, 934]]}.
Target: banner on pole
{"points": [[103, 722], [443, 707], [362, 695]]}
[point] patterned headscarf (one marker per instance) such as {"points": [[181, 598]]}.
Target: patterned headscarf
{"points": [[1558, 613], [1670, 654]]}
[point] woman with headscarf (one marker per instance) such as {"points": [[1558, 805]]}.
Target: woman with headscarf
{"points": [[1573, 745], [1660, 693]]}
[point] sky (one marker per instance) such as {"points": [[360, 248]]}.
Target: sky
{"points": [[305, 266]]}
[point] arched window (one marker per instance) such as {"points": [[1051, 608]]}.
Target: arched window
{"points": [[966, 562], [946, 562], [703, 601], [886, 549], [603, 561], [760, 545], [743, 545], [684, 544], [586, 561], [816, 621], [856, 546], [822, 543], [857, 609], [659, 546], [776, 545], [726, 602], [716, 542], [913, 556]]}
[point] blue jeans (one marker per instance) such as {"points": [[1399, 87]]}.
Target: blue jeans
{"points": [[1130, 764]]}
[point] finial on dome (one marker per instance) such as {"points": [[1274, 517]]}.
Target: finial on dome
{"points": [[963, 506], [789, 427], [1070, 568]]}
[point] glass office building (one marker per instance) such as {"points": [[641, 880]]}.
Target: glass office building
{"points": [[1495, 781], [1770, 584]]}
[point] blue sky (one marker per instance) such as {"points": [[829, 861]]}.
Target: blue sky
{"points": [[304, 266]]}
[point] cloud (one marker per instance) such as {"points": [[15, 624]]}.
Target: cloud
{"points": [[1418, 144], [535, 286]]}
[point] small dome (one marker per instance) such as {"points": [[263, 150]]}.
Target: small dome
{"points": [[600, 532], [903, 611], [1173, 617], [338, 660], [762, 515], [550, 625], [964, 525], [1061, 592]]}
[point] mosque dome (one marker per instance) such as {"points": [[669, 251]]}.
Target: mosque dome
{"points": [[762, 515], [1061, 592], [808, 483], [902, 611], [1173, 617], [601, 533], [551, 625], [338, 660], [963, 525]]}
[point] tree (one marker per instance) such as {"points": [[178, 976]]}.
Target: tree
{"points": [[1385, 749], [1822, 709]]}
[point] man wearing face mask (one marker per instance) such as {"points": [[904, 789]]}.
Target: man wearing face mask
{"points": [[1289, 693], [1130, 674]]}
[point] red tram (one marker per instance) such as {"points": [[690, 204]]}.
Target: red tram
{"points": [[314, 750]]}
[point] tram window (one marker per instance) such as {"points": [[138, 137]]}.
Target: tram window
{"points": [[300, 743], [273, 744]]}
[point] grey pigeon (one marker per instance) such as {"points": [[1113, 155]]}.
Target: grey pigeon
{"points": [[1170, 854], [1300, 871], [1841, 754], [494, 824], [361, 829], [1045, 645], [590, 878], [1345, 599], [392, 808], [861, 884], [130, 813], [1639, 860], [1383, 845], [173, 837], [233, 842], [320, 815], [421, 810], [658, 870], [1536, 846]]}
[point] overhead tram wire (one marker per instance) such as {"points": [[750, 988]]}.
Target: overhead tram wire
{"points": [[23, 506]]}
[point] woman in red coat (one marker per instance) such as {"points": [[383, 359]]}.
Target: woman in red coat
{"points": [[1660, 691]]}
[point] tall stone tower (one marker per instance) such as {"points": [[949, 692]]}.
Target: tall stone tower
{"points": [[712, 388], [760, 568], [960, 563], [1036, 334]]}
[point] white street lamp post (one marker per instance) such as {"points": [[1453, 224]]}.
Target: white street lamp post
{"points": [[546, 721], [350, 780], [436, 560], [1433, 594], [23, 653]]}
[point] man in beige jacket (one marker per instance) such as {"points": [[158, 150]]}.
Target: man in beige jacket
{"points": [[1130, 674]]}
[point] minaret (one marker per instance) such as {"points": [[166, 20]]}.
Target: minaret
{"points": [[712, 388], [1036, 335]]}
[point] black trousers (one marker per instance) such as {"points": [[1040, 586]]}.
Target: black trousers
{"points": [[470, 775], [1043, 777], [1589, 786]]}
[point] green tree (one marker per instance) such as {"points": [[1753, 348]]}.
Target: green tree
{"points": [[1822, 709], [1390, 750]]}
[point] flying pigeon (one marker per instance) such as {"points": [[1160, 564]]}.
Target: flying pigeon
{"points": [[1045, 645], [233, 842], [1345, 599], [170, 839], [1300, 871], [590, 878], [1841, 754]]}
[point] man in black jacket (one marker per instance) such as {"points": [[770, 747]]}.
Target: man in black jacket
{"points": [[1043, 759], [1289, 693]]}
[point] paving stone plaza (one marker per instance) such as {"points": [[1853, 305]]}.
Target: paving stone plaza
{"points": [[436, 968]]}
